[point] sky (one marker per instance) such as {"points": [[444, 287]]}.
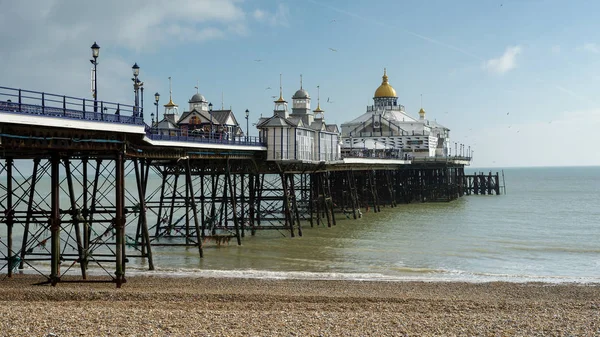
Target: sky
{"points": [[517, 81]]}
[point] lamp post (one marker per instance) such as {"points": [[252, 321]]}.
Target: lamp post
{"points": [[210, 106], [95, 53], [142, 101], [136, 87], [156, 98], [247, 125]]}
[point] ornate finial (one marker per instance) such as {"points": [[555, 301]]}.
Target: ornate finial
{"points": [[421, 101], [385, 77], [197, 87], [300, 81], [222, 101], [170, 104], [318, 109], [280, 89], [318, 95]]}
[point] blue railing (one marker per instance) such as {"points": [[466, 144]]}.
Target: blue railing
{"points": [[43, 104], [35, 103], [216, 138]]}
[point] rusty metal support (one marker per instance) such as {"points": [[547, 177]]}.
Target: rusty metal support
{"points": [[194, 210], [54, 222], [142, 181], [119, 220], [75, 216], [9, 216]]}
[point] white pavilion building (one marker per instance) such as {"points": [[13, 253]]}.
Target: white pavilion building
{"points": [[387, 130], [302, 135]]}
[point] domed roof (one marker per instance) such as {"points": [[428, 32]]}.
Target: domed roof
{"points": [[197, 98], [385, 89], [301, 93]]}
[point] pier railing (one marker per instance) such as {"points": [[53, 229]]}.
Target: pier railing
{"points": [[441, 159], [35, 103], [175, 135]]}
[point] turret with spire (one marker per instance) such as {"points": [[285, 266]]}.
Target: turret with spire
{"points": [[171, 109], [280, 104], [198, 102], [301, 105], [318, 111]]}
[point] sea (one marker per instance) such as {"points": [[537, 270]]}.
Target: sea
{"points": [[545, 228]]}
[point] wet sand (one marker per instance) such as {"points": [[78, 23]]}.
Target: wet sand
{"points": [[164, 306]]}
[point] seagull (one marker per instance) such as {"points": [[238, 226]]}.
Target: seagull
{"points": [[273, 96], [257, 60], [268, 88], [332, 21], [507, 113], [334, 50]]}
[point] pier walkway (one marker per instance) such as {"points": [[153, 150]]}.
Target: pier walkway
{"points": [[88, 183]]}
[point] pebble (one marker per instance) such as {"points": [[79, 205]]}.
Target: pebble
{"points": [[164, 306]]}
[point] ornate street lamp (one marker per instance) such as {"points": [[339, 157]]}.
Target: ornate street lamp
{"points": [[95, 53], [156, 98], [247, 125], [137, 84]]}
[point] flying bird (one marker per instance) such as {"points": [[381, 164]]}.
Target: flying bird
{"points": [[268, 88], [273, 96], [257, 60], [507, 113], [334, 50], [332, 21]]}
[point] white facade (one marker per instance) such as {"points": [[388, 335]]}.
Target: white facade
{"points": [[387, 130], [299, 136]]}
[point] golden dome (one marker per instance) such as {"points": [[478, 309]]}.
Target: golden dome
{"points": [[385, 89]]}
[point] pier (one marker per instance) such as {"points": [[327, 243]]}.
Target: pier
{"points": [[88, 183]]}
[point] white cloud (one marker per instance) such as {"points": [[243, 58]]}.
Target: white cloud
{"points": [[259, 14], [591, 47], [504, 63], [278, 18], [50, 40]]}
